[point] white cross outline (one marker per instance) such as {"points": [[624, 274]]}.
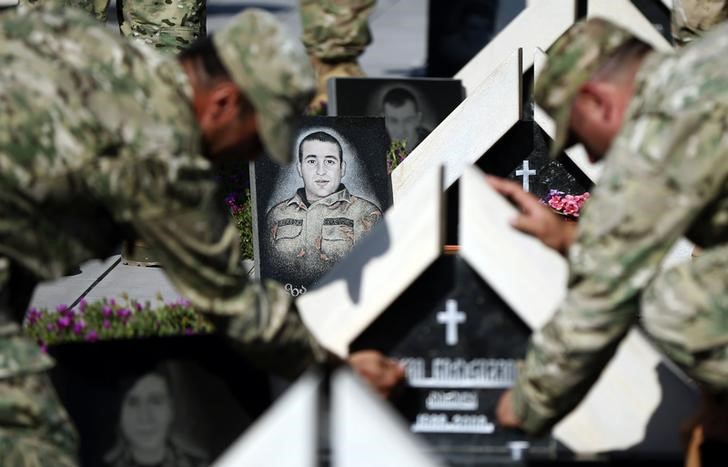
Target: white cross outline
{"points": [[451, 317], [526, 173]]}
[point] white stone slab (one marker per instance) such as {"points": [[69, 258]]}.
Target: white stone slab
{"points": [[468, 132], [367, 432], [285, 436], [141, 284], [532, 280], [7, 3], [625, 14], [539, 25], [528, 276], [379, 269], [65, 290]]}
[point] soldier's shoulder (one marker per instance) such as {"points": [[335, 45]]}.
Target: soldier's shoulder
{"points": [[365, 205], [282, 208]]}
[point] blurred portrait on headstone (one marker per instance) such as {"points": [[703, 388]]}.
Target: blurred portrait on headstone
{"points": [[144, 436], [411, 108]]}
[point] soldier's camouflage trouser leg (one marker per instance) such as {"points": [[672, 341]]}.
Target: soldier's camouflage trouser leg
{"points": [[169, 25], [692, 18], [685, 310], [34, 428], [336, 30]]}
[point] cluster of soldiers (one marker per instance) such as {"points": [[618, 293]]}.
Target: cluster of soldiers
{"points": [[103, 138]]}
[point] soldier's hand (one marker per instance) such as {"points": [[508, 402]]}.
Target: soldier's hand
{"points": [[536, 219], [382, 373], [504, 411]]}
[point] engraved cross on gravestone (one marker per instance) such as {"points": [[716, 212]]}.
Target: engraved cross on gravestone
{"points": [[526, 173], [451, 317]]}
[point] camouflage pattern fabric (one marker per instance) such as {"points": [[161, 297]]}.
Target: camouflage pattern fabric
{"points": [[692, 18], [168, 25], [99, 139], [685, 310], [665, 176], [336, 30], [34, 427], [313, 237]]}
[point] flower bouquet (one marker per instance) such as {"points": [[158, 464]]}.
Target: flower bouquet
{"points": [[565, 205]]}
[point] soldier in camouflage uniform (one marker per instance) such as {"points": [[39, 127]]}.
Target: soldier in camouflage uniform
{"points": [[660, 122], [101, 137], [335, 33], [691, 18]]}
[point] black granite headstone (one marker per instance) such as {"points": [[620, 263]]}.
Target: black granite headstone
{"points": [[522, 154], [459, 342], [309, 214], [188, 397]]}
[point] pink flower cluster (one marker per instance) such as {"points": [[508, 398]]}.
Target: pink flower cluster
{"points": [[569, 205]]}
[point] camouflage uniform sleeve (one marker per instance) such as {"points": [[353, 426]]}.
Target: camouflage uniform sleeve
{"points": [[666, 165], [336, 30], [200, 250]]}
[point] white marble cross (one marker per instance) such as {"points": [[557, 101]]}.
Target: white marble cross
{"points": [[451, 317], [526, 173]]}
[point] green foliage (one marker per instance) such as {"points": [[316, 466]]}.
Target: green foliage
{"points": [[234, 184], [107, 320], [396, 154], [243, 216]]}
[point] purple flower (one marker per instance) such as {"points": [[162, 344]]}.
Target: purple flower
{"points": [[63, 309], [64, 322], [138, 306], [123, 313], [43, 346], [33, 315], [106, 311], [82, 306], [91, 336], [106, 324], [51, 327], [79, 326]]}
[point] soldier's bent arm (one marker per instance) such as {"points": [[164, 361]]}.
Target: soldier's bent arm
{"points": [[662, 170], [199, 247]]}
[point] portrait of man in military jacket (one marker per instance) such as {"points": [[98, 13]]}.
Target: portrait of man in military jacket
{"points": [[322, 220]]}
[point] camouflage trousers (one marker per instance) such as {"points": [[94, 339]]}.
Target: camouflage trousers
{"points": [[336, 30], [169, 25], [685, 311], [34, 428], [692, 18]]}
